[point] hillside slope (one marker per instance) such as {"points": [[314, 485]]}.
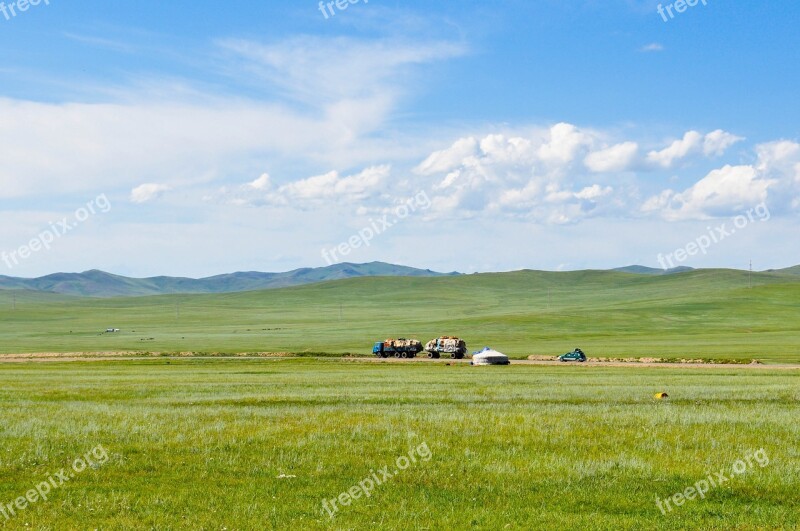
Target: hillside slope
{"points": [[708, 313]]}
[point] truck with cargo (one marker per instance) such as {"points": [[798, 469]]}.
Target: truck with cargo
{"points": [[455, 347], [398, 348]]}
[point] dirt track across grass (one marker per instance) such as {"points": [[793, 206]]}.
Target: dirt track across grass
{"points": [[45, 357], [591, 363]]}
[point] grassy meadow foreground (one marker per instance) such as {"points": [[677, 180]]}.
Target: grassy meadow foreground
{"points": [[699, 314], [258, 444]]}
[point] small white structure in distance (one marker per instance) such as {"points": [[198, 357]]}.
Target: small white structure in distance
{"points": [[489, 356]]}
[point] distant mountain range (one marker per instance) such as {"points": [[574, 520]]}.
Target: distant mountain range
{"points": [[96, 283], [644, 270]]}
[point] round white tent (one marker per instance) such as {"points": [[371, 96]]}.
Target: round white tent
{"points": [[490, 356]]}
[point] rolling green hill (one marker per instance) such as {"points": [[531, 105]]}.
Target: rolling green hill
{"points": [[96, 283], [644, 270], [704, 313], [787, 271]]}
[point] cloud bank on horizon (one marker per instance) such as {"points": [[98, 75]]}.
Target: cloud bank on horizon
{"points": [[224, 151]]}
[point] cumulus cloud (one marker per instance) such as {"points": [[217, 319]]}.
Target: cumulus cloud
{"points": [[262, 183], [693, 143], [594, 192], [731, 189], [332, 186], [535, 176], [723, 191], [559, 174], [666, 158], [777, 156], [447, 159], [716, 143], [613, 159], [780, 161], [148, 192], [565, 141], [327, 189]]}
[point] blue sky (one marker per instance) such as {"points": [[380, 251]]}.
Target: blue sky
{"points": [[255, 135]]}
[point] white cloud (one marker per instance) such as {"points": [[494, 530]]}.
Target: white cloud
{"points": [[330, 189], [352, 188], [148, 192], [777, 156], [262, 183], [565, 141], [320, 71], [722, 192], [780, 161], [691, 143], [191, 138], [560, 175], [713, 144], [732, 189], [613, 159], [450, 158], [652, 47], [717, 142], [594, 192]]}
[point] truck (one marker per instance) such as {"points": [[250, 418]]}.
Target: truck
{"points": [[399, 348], [455, 347]]}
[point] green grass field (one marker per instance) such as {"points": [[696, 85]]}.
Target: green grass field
{"points": [[701, 314], [225, 443], [258, 444]]}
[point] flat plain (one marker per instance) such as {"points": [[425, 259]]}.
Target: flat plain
{"points": [[258, 444], [225, 441], [712, 314]]}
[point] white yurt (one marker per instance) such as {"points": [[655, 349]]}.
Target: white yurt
{"points": [[489, 356]]}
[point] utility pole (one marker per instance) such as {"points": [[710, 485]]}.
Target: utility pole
{"points": [[750, 276], [177, 310], [340, 311], [14, 302], [548, 298]]}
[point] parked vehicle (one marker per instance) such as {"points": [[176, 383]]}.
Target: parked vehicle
{"points": [[575, 355], [453, 346], [399, 348]]}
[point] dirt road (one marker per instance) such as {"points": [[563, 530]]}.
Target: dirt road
{"points": [[45, 357]]}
